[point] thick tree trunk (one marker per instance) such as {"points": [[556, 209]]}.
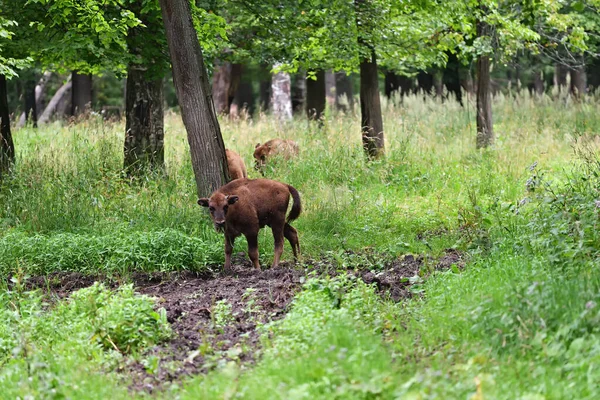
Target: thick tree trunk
{"points": [[299, 93], [61, 95], [40, 92], [344, 99], [578, 84], [243, 101], [193, 92], [30, 106], [265, 88], [560, 76], [81, 92], [281, 99], [220, 87], [144, 127], [7, 147], [316, 96], [330, 89], [593, 74], [370, 108], [485, 131], [438, 84]]}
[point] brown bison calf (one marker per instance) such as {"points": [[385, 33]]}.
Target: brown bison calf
{"points": [[283, 147], [244, 206], [237, 169]]}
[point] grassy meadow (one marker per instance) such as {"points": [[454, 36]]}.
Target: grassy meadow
{"points": [[521, 320]]}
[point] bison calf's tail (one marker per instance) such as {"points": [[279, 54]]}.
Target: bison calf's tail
{"points": [[297, 207]]}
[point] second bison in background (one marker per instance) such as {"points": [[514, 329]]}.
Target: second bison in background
{"points": [[283, 147], [237, 168], [244, 206]]}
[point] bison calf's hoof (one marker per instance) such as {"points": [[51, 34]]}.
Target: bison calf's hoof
{"points": [[245, 206]]}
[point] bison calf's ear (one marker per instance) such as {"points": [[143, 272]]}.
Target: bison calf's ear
{"points": [[203, 202], [232, 199], [257, 145]]}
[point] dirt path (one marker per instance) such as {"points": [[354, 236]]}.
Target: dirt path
{"points": [[244, 298]]}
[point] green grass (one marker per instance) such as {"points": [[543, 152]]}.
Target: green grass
{"points": [[520, 321]]}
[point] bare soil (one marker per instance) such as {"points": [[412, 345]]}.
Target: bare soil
{"points": [[256, 297]]}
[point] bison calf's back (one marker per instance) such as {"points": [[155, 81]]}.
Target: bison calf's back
{"points": [[275, 147], [244, 206], [237, 168]]}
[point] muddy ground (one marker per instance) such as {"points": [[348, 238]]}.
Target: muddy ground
{"points": [[192, 304]]}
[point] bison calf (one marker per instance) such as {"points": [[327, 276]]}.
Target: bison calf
{"points": [[244, 206], [284, 147], [237, 168]]}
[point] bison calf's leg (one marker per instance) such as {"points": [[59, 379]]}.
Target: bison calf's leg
{"points": [[291, 234], [253, 250], [278, 236], [229, 240]]}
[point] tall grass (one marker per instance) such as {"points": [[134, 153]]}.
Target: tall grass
{"points": [[68, 180]]}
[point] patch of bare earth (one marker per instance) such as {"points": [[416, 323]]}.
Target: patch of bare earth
{"points": [[255, 297]]}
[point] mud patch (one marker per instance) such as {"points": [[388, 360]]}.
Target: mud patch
{"points": [[214, 316]]}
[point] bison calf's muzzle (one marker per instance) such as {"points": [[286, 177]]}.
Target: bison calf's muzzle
{"points": [[244, 206]]}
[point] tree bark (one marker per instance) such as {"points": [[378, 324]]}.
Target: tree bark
{"points": [[144, 126], [438, 84], [30, 106], [220, 87], [370, 108], [538, 82], [578, 84], [7, 147], [330, 89], [281, 99], [265, 87], [344, 99], [81, 92], [193, 93], [593, 74], [485, 131], [316, 96], [60, 95], [243, 101], [40, 92], [299, 93], [560, 76]]}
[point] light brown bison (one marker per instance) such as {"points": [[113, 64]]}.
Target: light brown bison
{"points": [[244, 206], [237, 168], [283, 147]]}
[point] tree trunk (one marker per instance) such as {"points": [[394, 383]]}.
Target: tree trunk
{"points": [[578, 84], [485, 132], [193, 93], [265, 87], [7, 147], [144, 127], [316, 96], [81, 92], [299, 93], [438, 84], [30, 106], [281, 99], [538, 82], [40, 92], [370, 108], [61, 95], [593, 74], [330, 89], [344, 99], [243, 101], [220, 87], [560, 76]]}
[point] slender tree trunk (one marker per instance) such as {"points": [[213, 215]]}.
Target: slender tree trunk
{"points": [[593, 74], [236, 77], [578, 84], [243, 100], [281, 99], [265, 87], [538, 82], [438, 84], [370, 108], [316, 96], [81, 92], [193, 92], [30, 105], [220, 87], [7, 147], [330, 89], [144, 126], [61, 94], [344, 99], [485, 131], [299, 93]]}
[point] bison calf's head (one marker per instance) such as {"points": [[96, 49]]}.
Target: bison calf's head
{"points": [[218, 206]]}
